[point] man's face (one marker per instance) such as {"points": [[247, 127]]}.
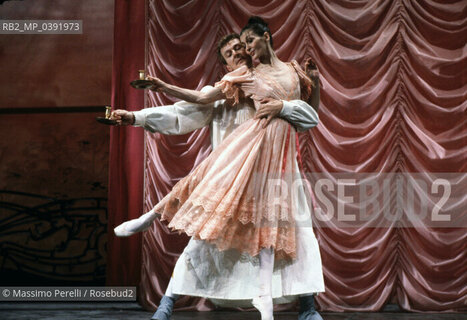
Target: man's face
{"points": [[235, 55]]}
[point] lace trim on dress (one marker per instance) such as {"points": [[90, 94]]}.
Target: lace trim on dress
{"points": [[240, 235]]}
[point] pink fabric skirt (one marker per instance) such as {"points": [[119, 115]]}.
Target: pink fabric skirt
{"points": [[240, 197]]}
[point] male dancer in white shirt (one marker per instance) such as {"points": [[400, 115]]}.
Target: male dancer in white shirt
{"points": [[228, 277]]}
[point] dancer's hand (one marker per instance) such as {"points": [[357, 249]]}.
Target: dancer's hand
{"points": [[269, 109], [157, 84], [123, 117], [311, 69]]}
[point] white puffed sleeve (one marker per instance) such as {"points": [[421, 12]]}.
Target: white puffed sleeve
{"points": [[300, 114]]}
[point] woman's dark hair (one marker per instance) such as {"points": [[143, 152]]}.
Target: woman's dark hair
{"points": [[258, 26]]}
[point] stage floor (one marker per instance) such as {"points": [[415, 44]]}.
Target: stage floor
{"points": [[132, 311]]}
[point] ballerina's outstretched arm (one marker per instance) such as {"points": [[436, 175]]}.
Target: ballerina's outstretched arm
{"points": [[194, 96]]}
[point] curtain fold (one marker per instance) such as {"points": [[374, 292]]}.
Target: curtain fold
{"points": [[126, 144], [393, 99]]}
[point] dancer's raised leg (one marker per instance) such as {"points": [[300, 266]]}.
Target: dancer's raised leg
{"points": [[131, 227]]}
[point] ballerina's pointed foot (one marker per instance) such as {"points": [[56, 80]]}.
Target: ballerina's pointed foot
{"points": [[131, 227], [264, 306]]}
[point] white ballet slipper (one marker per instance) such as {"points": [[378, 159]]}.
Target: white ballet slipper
{"points": [[264, 306], [131, 227]]}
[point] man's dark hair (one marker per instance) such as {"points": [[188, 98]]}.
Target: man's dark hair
{"points": [[258, 26], [223, 42]]}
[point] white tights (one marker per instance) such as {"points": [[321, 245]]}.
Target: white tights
{"points": [[264, 301]]}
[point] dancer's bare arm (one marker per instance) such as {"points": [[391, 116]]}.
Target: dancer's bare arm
{"points": [[312, 71], [193, 96]]}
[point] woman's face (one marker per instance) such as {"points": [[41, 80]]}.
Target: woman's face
{"points": [[256, 46]]}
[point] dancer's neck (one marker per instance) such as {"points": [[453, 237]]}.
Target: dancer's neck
{"points": [[270, 58]]}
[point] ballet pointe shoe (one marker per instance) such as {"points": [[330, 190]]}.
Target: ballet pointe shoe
{"points": [[264, 305], [131, 227]]}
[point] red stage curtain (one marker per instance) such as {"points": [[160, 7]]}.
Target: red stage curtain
{"points": [[393, 99], [126, 144]]}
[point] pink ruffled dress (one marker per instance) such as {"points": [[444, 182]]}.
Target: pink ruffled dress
{"points": [[240, 196]]}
